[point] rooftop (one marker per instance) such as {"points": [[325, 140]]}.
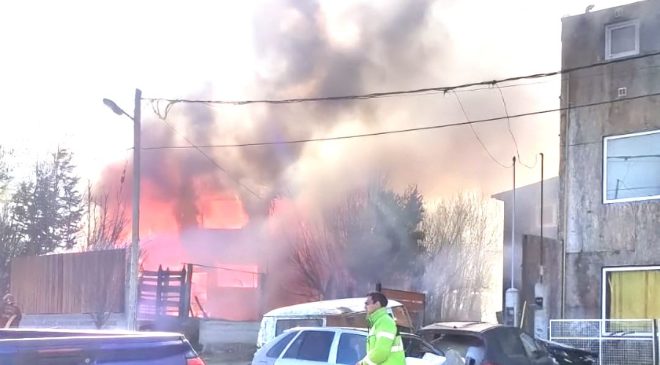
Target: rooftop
{"points": [[325, 308]]}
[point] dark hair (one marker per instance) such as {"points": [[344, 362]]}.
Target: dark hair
{"points": [[378, 297]]}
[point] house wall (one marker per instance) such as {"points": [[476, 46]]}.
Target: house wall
{"points": [[597, 234]]}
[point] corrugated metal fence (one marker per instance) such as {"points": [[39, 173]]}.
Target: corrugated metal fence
{"points": [[615, 341], [72, 283]]}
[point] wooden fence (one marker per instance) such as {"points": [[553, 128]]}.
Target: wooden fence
{"points": [[72, 283]]}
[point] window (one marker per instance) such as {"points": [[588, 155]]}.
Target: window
{"points": [[277, 348], [455, 342], [631, 167], [622, 39], [311, 346], [417, 348], [285, 324], [352, 348], [631, 292]]}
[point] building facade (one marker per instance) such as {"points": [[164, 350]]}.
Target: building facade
{"points": [[609, 188]]}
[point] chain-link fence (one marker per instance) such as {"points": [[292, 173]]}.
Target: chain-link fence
{"points": [[615, 341]]}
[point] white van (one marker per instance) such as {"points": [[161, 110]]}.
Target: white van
{"points": [[327, 313]]}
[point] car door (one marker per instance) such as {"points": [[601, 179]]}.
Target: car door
{"points": [[310, 347], [352, 348]]}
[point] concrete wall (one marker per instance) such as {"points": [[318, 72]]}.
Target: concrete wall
{"points": [[528, 216], [530, 276], [238, 338], [597, 234]]}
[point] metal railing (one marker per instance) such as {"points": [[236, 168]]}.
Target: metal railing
{"points": [[615, 341]]}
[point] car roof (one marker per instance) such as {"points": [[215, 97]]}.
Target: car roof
{"points": [[325, 308], [327, 329], [334, 329], [477, 327]]}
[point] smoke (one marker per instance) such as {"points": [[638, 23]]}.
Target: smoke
{"points": [[329, 48]]}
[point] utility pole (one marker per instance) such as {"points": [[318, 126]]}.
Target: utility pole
{"points": [[540, 294], [131, 294], [132, 305], [511, 297]]}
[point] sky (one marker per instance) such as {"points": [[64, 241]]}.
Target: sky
{"points": [[60, 59]]}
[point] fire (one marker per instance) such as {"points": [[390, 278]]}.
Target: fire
{"points": [[195, 220]]}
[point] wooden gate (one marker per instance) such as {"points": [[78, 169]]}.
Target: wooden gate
{"points": [[165, 293]]}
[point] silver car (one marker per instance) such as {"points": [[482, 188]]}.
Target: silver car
{"points": [[332, 345]]}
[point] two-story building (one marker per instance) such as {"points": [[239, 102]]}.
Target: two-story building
{"points": [[609, 188]]}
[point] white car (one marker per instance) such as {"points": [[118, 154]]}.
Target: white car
{"points": [[333, 345]]}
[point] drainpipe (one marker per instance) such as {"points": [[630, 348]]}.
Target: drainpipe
{"points": [[567, 102]]}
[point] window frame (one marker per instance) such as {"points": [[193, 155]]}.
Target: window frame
{"points": [[606, 200], [604, 287], [608, 39]]}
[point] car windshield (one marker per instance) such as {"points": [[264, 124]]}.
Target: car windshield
{"points": [[456, 342], [416, 347]]}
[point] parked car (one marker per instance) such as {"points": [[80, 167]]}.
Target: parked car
{"points": [[335, 345], [57, 347], [567, 355], [486, 344], [347, 312]]}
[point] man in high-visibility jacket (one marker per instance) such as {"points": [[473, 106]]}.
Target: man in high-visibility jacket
{"points": [[384, 345]]}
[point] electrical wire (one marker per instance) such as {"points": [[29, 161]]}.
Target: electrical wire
{"points": [[476, 135], [376, 95], [212, 161], [225, 268], [508, 124], [406, 130]]}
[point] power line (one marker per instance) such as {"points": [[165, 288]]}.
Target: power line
{"points": [[376, 95], [227, 269], [627, 157], [406, 130], [477, 135], [211, 160], [508, 124]]}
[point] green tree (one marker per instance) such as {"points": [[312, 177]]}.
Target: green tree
{"points": [[9, 241], [47, 209], [376, 230]]}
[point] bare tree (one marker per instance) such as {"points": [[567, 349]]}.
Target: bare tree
{"points": [[106, 218], [316, 256], [370, 235], [106, 225], [461, 235]]}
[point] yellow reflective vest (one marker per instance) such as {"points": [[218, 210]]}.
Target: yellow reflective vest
{"points": [[384, 344]]}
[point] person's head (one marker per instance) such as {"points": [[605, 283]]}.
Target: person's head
{"points": [[374, 302], [8, 299]]}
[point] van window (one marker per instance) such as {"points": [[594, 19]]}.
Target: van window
{"points": [[285, 324]]}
